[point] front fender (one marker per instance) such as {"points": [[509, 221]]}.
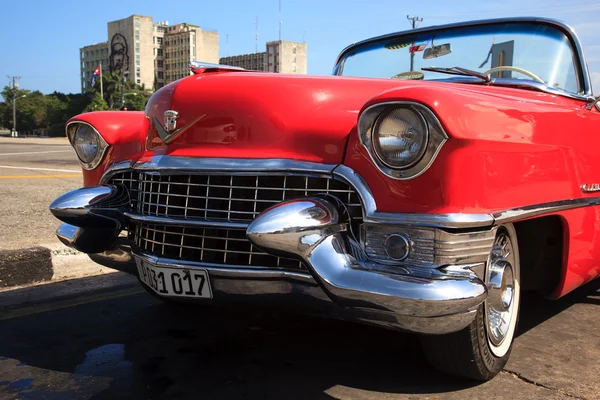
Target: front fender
{"points": [[124, 131]]}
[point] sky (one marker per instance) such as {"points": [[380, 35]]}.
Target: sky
{"points": [[42, 37]]}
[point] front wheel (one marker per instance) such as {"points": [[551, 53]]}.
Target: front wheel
{"points": [[481, 350]]}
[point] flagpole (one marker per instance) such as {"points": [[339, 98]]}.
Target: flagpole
{"points": [[101, 85]]}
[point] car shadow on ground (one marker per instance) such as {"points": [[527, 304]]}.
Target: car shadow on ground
{"points": [[142, 348]]}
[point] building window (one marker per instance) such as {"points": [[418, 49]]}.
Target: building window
{"points": [[294, 59], [159, 41], [294, 68], [159, 63], [159, 52], [294, 50], [160, 74]]}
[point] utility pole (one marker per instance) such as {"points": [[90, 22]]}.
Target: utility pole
{"points": [[280, 22], [14, 85], [414, 21], [256, 33]]}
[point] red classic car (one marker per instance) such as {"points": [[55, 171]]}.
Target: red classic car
{"points": [[438, 174]]}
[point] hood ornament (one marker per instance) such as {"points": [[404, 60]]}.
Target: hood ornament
{"points": [[170, 120], [168, 129]]}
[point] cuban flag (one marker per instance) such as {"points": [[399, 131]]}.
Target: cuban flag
{"points": [[95, 75]]}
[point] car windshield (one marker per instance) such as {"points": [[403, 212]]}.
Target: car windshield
{"points": [[525, 50]]}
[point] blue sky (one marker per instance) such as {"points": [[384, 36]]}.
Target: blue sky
{"points": [[47, 35]]}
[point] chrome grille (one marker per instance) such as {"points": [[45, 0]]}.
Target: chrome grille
{"points": [[219, 198], [231, 198], [131, 181], [209, 245]]}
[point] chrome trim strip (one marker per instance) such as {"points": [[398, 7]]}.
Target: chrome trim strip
{"points": [[103, 145], [583, 79], [199, 66], [235, 271], [515, 214], [164, 164], [436, 137], [149, 219]]}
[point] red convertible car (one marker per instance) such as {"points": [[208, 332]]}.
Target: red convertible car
{"points": [[436, 176]]}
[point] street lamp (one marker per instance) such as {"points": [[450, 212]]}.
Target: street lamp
{"points": [[14, 131], [123, 78]]}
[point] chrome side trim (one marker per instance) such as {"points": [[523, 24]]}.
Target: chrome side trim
{"points": [[102, 144], [436, 138], [149, 219], [583, 72], [515, 214]]}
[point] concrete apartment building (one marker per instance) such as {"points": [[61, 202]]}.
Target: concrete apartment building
{"points": [[90, 57], [151, 54], [281, 56]]}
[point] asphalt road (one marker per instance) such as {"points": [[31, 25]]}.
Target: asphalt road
{"points": [[33, 172], [124, 345]]}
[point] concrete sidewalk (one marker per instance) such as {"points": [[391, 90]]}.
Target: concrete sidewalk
{"points": [[34, 172]]}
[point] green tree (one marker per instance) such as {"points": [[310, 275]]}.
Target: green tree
{"points": [[112, 92], [98, 104], [3, 112]]}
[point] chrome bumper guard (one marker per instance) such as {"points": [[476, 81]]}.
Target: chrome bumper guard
{"points": [[311, 230]]}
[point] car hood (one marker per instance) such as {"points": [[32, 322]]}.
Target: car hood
{"points": [[259, 115]]}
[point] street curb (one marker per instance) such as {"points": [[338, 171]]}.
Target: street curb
{"points": [[53, 291], [52, 272], [45, 263]]}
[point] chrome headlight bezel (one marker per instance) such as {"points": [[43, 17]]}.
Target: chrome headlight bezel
{"points": [[436, 137], [72, 128]]}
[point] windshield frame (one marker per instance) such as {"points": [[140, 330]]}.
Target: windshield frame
{"points": [[582, 73]]}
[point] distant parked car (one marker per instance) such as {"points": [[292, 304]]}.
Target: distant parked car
{"points": [[437, 175]]}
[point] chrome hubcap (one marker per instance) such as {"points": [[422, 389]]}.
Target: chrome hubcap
{"points": [[501, 289]]}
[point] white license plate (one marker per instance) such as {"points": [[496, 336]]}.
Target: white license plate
{"points": [[181, 282]]}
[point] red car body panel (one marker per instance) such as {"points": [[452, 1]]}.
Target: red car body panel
{"points": [[508, 148]]}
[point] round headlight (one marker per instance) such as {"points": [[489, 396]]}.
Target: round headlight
{"points": [[400, 137], [86, 143]]}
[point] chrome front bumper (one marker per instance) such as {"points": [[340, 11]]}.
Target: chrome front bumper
{"points": [[340, 279]]}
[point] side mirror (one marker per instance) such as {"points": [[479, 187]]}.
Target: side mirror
{"points": [[437, 51]]}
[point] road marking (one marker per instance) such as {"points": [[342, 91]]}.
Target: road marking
{"points": [[57, 305], [40, 169], [39, 176], [36, 152]]}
